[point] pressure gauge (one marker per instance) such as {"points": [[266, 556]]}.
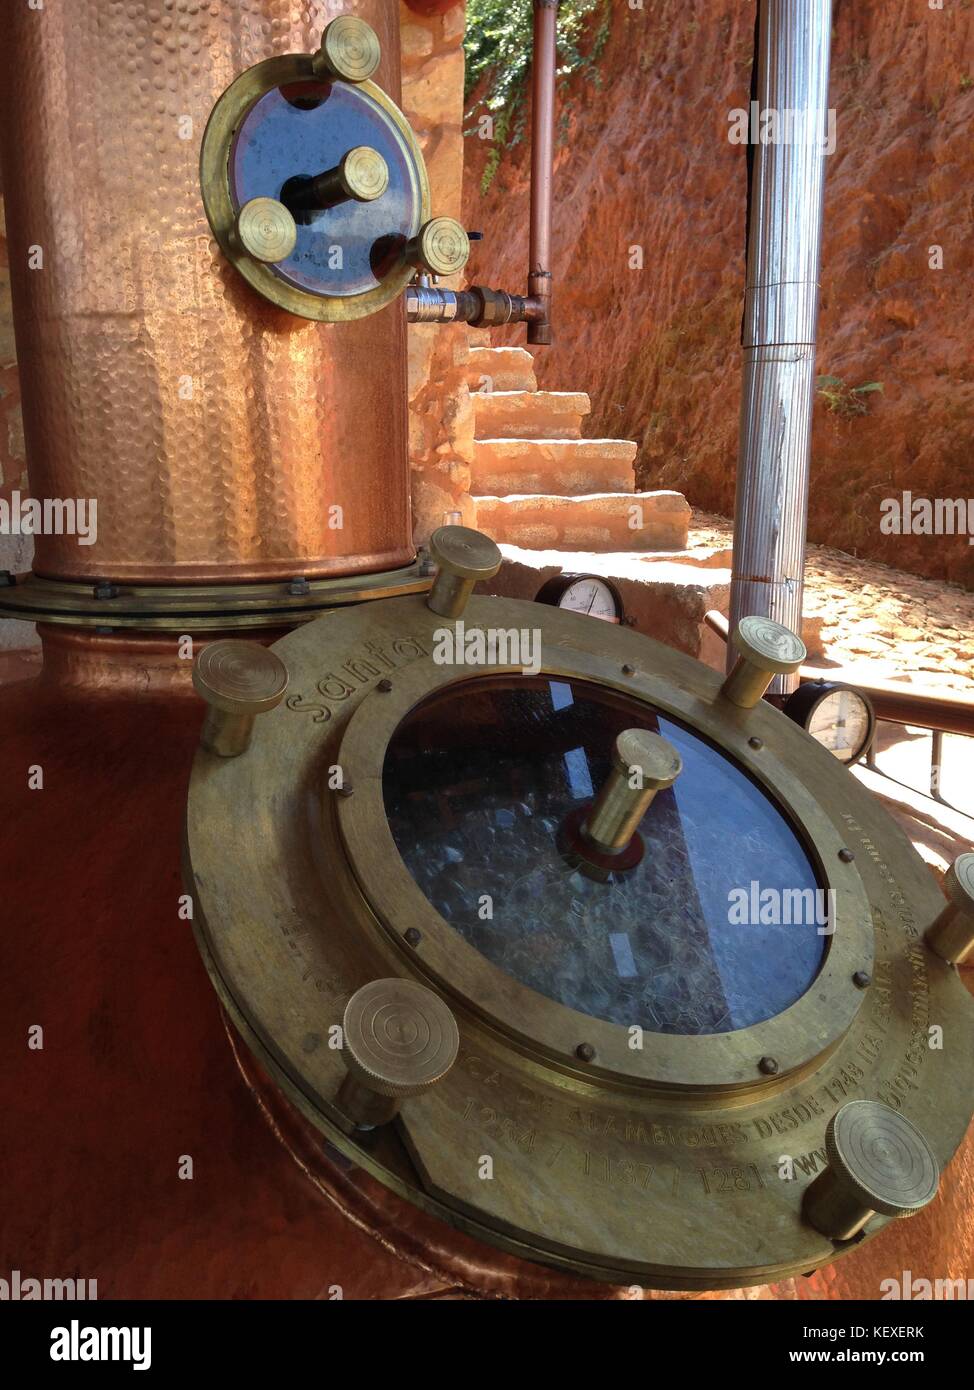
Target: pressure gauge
{"points": [[838, 716], [583, 593]]}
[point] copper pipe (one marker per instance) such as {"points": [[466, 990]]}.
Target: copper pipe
{"points": [[542, 165]]}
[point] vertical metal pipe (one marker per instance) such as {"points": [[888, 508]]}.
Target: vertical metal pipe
{"points": [[542, 162], [781, 312]]}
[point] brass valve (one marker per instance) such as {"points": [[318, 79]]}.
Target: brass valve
{"points": [[464, 557], [349, 50], [952, 935], [238, 680], [441, 247], [265, 230], [765, 649], [878, 1163], [399, 1038]]}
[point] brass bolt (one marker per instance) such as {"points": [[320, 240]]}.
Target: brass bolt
{"points": [[399, 1039], [238, 680], [265, 230], [768, 1065], [878, 1163], [350, 50], [585, 1052], [385, 685], [951, 937], [464, 558], [412, 936], [765, 649], [862, 979], [846, 855], [440, 247], [756, 743], [643, 764], [628, 670]]}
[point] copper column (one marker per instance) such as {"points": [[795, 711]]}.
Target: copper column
{"points": [[223, 440]]}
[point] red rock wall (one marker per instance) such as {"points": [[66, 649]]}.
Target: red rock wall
{"points": [[647, 163]]}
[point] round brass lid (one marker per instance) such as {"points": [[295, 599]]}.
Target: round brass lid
{"points": [[400, 1037], [350, 49], [266, 230], [465, 553], [652, 756], [240, 677], [769, 645], [635, 1137], [365, 174], [881, 1158], [443, 246]]}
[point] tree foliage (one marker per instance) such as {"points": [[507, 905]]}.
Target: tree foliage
{"points": [[498, 47]]}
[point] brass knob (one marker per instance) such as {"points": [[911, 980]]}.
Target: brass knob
{"points": [[464, 558], [643, 764], [878, 1162], [265, 230], [952, 935], [765, 649], [362, 176], [399, 1039], [442, 247], [349, 49], [238, 680]]}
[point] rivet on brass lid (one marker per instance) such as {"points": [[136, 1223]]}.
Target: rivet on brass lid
{"points": [[265, 230], [951, 937], [464, 558], [399, 1040], [765, 649], [350, 49], [238, 680], [441, 247], [878, 1163]]}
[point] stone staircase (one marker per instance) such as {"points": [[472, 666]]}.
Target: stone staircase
{"points": [[556, 502], [538, 483]]}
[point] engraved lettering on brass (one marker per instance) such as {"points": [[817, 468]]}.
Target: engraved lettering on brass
{"points": [[335, 688]]}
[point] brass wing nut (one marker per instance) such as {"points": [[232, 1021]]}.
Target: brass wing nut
{"points": [[765, 649], [238, 680], [350, 50], [399, 1038], [951, 936], [265, 230], [464, 558], [441, 247], [878, 1164]]}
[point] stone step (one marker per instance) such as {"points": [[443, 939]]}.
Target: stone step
{"points": [[600, 522], [530, 414], [564, 467], [501, 369], [701, 554], [665, 600]]}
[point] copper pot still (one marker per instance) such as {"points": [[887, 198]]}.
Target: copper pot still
{"points": [[222, 438], [218, 433]]}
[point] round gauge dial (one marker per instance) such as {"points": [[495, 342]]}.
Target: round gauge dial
{"points": [[840, 717], [583, 593]]}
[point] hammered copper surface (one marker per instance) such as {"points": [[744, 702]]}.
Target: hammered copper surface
{"points": [[215, 431]]}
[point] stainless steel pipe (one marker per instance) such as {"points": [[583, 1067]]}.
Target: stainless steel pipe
{"points": [[781, 313]]}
